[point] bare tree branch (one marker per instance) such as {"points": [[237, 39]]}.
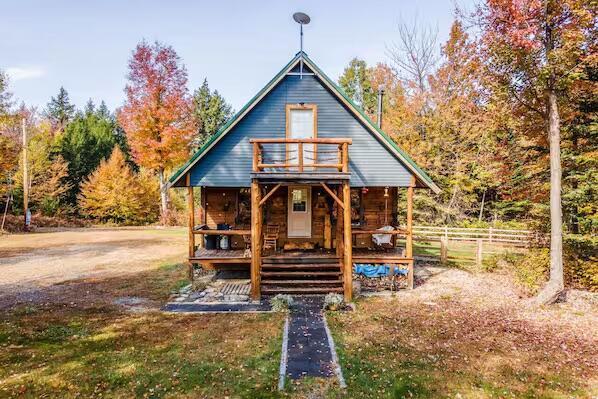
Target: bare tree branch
{"points": [[415, 54]]}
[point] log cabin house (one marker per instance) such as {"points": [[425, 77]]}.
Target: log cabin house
{"points": [[299, 181]]}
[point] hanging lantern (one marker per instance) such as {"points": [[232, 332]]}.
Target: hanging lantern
{"points": [[386, 192]]}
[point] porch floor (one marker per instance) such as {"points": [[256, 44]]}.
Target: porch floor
{"points": [[360, 255]]}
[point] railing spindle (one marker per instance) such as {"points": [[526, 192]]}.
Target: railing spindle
{"points": [[300, 155]]}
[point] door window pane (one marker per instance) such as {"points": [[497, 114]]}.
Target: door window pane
{"points": [[299, 200]]}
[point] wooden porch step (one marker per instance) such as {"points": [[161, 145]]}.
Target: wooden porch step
{"points": [[300, 282], [309, 266], [300, 290], [302, 273], [295, 260]]}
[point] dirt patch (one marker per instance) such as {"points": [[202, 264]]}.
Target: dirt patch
{"points": [[31, 261]]}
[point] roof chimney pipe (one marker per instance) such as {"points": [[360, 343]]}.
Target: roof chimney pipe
{"points": [[380, 95]]}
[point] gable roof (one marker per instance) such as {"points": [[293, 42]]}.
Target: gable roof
{"points": [[338, 93]]}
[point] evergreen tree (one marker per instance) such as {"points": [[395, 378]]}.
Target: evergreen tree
{"points": [[86, 141], [90, 107], [59, 110], [357, 84], [211, 111], [5, 95]]}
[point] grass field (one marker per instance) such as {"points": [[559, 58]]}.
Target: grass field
{"points": [[458, 334], [94, 348]]}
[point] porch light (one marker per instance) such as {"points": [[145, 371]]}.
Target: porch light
{"points": [[386, 192], [364, 190]]}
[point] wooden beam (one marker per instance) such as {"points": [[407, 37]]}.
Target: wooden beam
{"points": [[202, 212], [333, 195], [348, 244], [223, 232], [270, 193], [409, 240], [339, 228], [256, 239], [345, 163], [191, 222], [256, 157], [300, 156], [393, 232], [306, 141]]}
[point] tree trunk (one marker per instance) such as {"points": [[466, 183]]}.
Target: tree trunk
{"points": [[555, 285], [163, 195]]}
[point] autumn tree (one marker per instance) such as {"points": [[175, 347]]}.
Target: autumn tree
{"points": [[59, 110], [9, 146], [157, 115], [535, 49], [114, 193], [210, 111], [47, 172]]}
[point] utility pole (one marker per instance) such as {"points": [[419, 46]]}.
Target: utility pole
{"points": [[25, 179]]}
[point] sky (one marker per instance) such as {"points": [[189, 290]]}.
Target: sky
{"points": [[237, 45]]}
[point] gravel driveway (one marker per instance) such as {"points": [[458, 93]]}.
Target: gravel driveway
{"points": [[37, 260]]}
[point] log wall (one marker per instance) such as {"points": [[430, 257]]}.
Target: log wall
{"points": [[221, 207]]}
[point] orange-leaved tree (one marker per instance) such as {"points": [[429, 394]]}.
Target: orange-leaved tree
{"points": [[535, 50], [157, 115], [114, 193]]}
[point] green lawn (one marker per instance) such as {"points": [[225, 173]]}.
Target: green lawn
{"points": [[92, 348]]}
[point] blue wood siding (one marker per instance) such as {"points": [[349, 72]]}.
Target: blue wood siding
{"points": [[229, 162]]}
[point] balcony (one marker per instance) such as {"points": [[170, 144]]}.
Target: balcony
{"points": [[301, 160]]}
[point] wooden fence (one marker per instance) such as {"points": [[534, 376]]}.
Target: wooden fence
{"points": [[492, 235]]}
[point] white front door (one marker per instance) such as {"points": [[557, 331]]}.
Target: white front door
{"points": [[299, 220]]}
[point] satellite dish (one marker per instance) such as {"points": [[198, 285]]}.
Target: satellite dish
{"points": [[301, 18]]}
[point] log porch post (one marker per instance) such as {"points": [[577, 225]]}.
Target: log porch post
{"points": [[339, 227], [202, 213], [256, 239], [348, 244], [191, 223], [409, 239]]}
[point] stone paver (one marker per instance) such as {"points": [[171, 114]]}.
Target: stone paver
{"points": [[308, 350]]}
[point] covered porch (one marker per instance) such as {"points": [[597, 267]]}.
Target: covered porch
{"points": [[318, 217]]}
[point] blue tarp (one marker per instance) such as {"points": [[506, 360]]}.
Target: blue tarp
{"points": [[371, 271]]}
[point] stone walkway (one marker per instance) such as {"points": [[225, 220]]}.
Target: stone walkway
{"points": [[308, 348]]}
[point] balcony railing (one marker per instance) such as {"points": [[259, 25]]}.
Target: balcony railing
{"points": [[300, 155]]}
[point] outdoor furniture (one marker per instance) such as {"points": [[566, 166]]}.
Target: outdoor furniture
{"points": [[271, 236], [247, 241]]}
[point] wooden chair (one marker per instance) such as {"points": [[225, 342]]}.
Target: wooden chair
{"points": [[247, 241], [271, 236]]}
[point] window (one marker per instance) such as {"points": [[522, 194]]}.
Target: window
{"points": [[299, 200]]}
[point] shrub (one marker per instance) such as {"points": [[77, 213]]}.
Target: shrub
{"points": [[333, 301], [281, 303], [581, 261], [532, 270]]}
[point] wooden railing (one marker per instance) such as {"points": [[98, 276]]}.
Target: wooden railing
{"points": [[299, 155]]}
